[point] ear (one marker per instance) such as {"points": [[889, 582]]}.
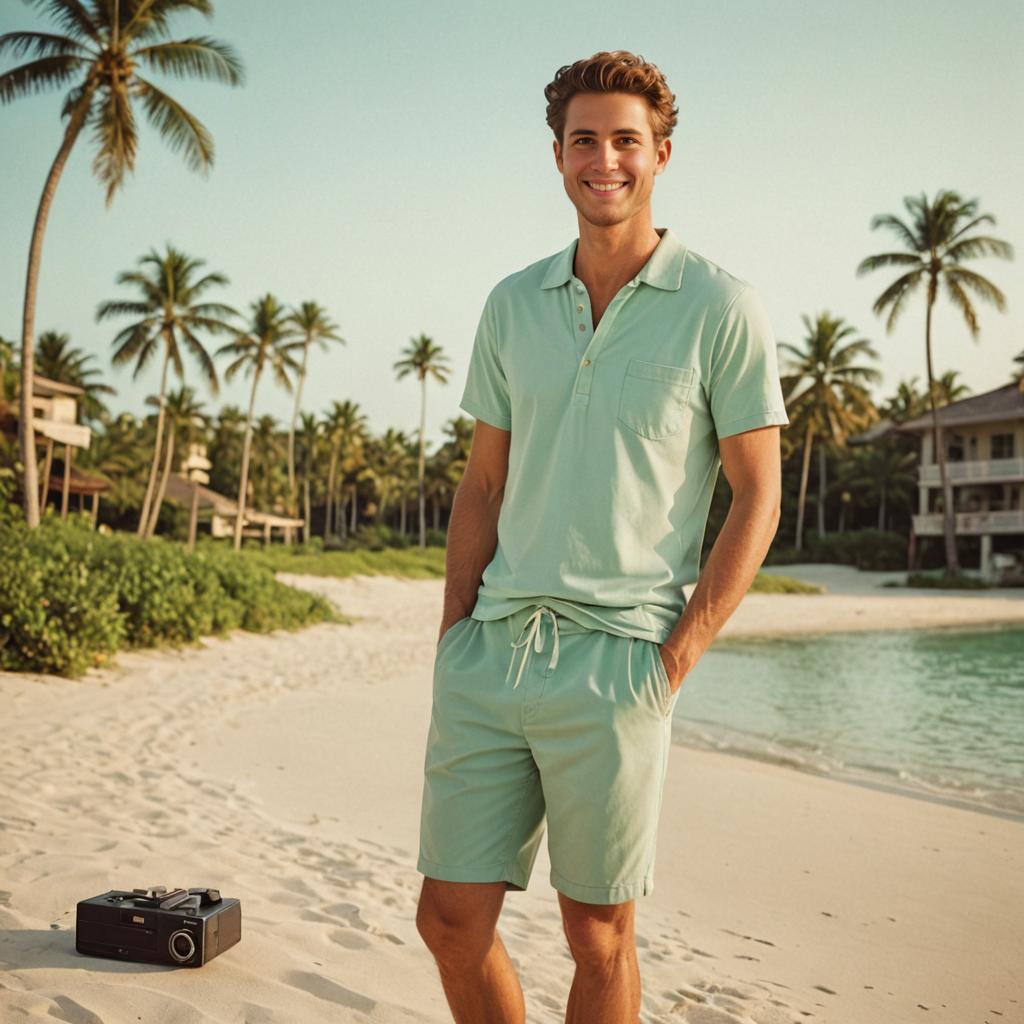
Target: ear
{"points": [[558, 154], [664, 152]]}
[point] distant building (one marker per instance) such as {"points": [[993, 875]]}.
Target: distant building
{"points": [[984, 438], [55, 422]]}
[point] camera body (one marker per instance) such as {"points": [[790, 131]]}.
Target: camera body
{"points": [[180, 927]]}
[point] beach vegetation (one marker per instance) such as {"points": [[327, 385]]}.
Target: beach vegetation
{"points": [[938, 240], [264, 345], [776, 583], [172, 312], [313, 327], [425, 359], [100, 51], [827, 397], [70, 596], [868, 549]]}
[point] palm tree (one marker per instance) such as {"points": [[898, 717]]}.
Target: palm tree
{"points": [[56, 359], [225, 451], [314, 325], [937, 242], [171, 315], [114, 454], [265, 345], [106, 42], [826, 394], [185, 419], [881, 472], [310, 437], [423, 358], [1015, 375], [264, 470], [340, 421]]}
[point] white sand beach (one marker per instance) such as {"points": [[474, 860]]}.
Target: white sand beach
{"points": [[286, 771]]}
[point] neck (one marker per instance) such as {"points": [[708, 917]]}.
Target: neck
{"points": [[608, 257]]}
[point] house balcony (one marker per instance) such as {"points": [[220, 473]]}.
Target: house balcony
{"points": [[972, 523], [987, 471]]}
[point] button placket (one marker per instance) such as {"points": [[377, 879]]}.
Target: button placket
{"points": [[585, 371]]}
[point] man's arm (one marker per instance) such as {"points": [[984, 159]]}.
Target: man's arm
{"points": [[751, 462], [473, 526]]}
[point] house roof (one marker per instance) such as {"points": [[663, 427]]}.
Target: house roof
{"points": [[47, 388], [1002, 403], [179, 489], [873, 433]]}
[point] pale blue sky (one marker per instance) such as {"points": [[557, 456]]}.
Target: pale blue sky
{"points": [[391, 161]]}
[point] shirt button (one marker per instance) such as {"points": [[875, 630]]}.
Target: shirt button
{"points": [[586, 362], [579, 287], [583, 327], [579, 308]]}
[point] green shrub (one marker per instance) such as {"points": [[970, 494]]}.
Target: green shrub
{"points": [[944, 581], [57, 612], [70, 597], [865, 549]]}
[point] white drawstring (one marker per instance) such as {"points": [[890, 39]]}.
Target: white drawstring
{"points": [[534, 634]]}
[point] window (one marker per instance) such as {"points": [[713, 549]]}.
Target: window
{"points": [[1002, 446]]}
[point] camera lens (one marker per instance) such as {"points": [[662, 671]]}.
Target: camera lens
{"points": [[181, 945]]}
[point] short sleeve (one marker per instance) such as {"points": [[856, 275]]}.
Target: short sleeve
{"points": [[486, 395], [744, 390]]}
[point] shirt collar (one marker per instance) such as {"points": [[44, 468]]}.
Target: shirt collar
{"points": [[663, 270]]}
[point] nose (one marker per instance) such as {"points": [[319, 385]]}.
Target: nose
{"points": [[604, 157]]}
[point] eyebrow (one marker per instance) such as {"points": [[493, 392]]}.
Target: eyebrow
{"points": [[618, 131]]}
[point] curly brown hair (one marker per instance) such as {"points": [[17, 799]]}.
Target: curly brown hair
{"points": [[612, 71]]}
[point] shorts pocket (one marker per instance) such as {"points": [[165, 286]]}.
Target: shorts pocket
{"points": [[448, 633], [663, 680], [653, 399]]}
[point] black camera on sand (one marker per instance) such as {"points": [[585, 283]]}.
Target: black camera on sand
{"points": [[184, 927]]}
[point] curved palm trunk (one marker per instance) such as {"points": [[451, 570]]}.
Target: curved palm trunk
{"points": [[292, 486], [26, 433], [948, 520], [329, 496], [246, 448], [159, 500], [420, 467], [354, 519], [804, 472], [147, 500]]}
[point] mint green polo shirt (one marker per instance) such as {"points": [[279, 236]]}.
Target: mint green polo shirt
{"points": [[614, 449]]}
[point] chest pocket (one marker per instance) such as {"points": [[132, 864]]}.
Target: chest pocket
{"points": [[654, 396]]}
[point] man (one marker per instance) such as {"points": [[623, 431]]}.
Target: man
{"points": [[609, 382]]}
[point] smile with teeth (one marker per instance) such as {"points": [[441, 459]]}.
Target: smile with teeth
{"points": [[612, 187]]}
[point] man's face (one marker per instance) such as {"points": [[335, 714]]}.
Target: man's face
{"points": [[608, 142]]}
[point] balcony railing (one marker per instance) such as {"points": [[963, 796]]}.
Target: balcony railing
{"points": [[972, 523], [974, 471]]}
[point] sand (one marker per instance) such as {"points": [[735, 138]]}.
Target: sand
{"points": [[286, 771]]}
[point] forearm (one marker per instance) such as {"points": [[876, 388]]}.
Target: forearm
{"points": [[732, 564], [472, 539]]}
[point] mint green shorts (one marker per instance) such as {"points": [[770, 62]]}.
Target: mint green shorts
{"points": [[536, 716]]}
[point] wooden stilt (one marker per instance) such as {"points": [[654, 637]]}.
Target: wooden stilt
{"points": [[66, 487]]}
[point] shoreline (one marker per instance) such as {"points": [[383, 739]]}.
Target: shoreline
{"points": [[285, 769]]}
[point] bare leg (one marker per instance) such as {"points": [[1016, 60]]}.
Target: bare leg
{"points": [[606, 985], [457, 922]]}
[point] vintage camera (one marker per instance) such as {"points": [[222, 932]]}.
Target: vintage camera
{"points": [[183, 927]]}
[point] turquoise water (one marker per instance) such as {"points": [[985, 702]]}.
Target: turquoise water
{"points": [[937, 712]]}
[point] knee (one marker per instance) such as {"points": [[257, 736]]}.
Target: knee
{"points": [[454, 938], [600, 942]]}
